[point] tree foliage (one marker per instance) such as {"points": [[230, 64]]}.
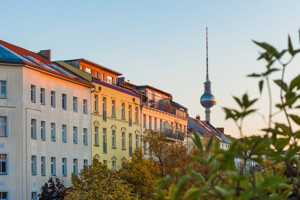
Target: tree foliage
{"points": [[52, 190], [142, 174], [97, 182], [278, 146]]}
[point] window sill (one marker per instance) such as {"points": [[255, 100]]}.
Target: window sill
{"points": [[43, 140], [64, 175], [33, 174], [97, 145], [33, 138], [4, 173], [85, 144], [64, 141], [75, 143], [3, 135], [123, 149], [114, 147], [53, 140]]}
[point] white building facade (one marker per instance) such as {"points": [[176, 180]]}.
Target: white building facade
{"points": [[44, 125]]}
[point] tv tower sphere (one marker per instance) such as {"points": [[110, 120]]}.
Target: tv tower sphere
{"points": [[207, 100]]}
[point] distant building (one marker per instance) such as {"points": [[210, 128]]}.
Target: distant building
{"points": [[44, 122], [115, 113], [206, 130], [160, 112]]}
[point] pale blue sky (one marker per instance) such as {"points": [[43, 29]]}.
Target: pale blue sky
{"points": [[162, 43]]}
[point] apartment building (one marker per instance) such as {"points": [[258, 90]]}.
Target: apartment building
{"points": [[115, 113], [45, 117]]}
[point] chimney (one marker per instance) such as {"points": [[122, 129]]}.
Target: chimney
{"points": [[198, 117], [46, 54], [221, 129]]}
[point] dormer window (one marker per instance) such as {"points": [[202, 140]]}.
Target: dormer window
{"points": [[88, 70]]}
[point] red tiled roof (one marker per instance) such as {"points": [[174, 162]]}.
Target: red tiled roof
{"points": [[24, 52], [207, 127]]}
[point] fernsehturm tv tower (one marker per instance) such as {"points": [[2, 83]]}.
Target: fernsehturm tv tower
{"points": [[207, 100]]}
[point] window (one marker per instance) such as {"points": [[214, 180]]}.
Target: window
{"points": [[53, 132], [104, 162], [130, 115], [75, 166], [75, 104], [97, 74], [96, 103], [33, 165], [88, 70], [33, 196], [53, 166], [3, 126], [3, 90], [104, 141], [96, 136], [43, 166], [109, 79], [33, 128], [64, 101], [136, 115], [4, 195], [43, 130], [42, 96], [113, 108], [150, 122], [85, 162], [103, 77], [64, 167], [104, 109], [155, 124], [136, 142], [123, 140], [113, 139], [3, 164], [144, 123], [160, 124], [85, 109], [130, 144], [32, 93], [85, 136], [123, 110], [52, 98], [114, 164], [64, 133], [75, 135]]}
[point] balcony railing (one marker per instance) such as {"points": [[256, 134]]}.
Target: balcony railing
{"points": [[174, 134], [166, 108]]}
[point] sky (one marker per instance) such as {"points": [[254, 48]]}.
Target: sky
{"points": [[162, 43]]}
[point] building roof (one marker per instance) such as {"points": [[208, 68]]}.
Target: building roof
{"points": [[153, 88], [205, 128], [95, 65], [10, 53]]}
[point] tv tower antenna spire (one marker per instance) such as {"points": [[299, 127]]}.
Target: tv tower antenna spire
{"points": [[207, 100]]}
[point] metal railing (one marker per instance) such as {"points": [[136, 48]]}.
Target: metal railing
{"points": [[174, 134], [166, 108]]}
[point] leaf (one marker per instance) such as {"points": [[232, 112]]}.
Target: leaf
{"points": [[197, 141], [180, 186], [296, 119], [208, 146], [290, 46], [260, 84], [281, 84], [295, 83], [238, 101], [269, 71], [195, 174], [192, 193], [222, 191], [272, 181], [254, 75]]}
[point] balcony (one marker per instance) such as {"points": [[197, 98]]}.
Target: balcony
{"points": [[166, 108], [173, 134]]}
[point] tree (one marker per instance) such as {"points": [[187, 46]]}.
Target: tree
{"points": [[97, 182], [142, 174], [52, 190], [278, 146], [168, 154]]}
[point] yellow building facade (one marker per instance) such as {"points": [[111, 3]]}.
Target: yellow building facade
{"points": [[115, 115]]}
